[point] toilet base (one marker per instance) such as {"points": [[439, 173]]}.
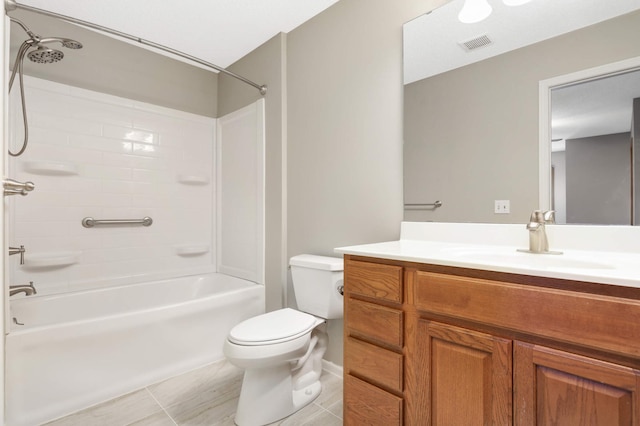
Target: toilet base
{"points": [[306, 396], [267, 396]]}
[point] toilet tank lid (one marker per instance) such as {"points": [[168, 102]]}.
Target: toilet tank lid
{"points": [[317, 262]]}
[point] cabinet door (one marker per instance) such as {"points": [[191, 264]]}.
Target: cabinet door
{"points": [[553, 387], [464, 377]]}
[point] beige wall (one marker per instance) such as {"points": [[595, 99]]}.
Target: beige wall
{"points": [[471, 134], [117, 68]]}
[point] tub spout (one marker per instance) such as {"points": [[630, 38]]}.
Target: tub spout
{"points": [[27, 289]]}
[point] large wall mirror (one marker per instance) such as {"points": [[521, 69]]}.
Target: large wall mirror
{"points": [[473, 116]]}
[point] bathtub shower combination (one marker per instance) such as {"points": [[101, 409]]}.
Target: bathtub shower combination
{"points": [[73, 350], [95, 331]]}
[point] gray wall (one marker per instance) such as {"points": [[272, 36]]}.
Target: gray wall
{"points": [[635, 135], [471, 134], [117, 68], [344, 151], [599, 179], [338, 115], [559, 185]]}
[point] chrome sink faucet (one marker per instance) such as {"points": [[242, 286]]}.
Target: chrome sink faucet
{"points": [[27, 289], [538, 242]]}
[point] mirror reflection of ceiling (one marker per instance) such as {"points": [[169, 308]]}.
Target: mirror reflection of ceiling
{"points": [[217, 31], [432, 42], [596, 107]]}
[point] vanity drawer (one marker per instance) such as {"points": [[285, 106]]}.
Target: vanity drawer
{"points": [[365, 404], [590, 320], [383, 282], [371, 321], [381, 366]]}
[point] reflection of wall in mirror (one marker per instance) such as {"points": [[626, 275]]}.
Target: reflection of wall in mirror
{"points": [[635, 154], [471, 134], [592, 180]]}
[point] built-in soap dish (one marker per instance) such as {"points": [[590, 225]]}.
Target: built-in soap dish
{"points": [[193, 179], [192, 250], [51, 168], [57, 259]]}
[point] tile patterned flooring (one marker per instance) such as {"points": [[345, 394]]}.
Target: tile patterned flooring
{"points": [[206, 396]]}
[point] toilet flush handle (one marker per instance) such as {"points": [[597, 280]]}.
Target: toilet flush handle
{"points": [[340, 289]]}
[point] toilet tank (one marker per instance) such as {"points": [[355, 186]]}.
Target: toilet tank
{"points": [[315, 282]]}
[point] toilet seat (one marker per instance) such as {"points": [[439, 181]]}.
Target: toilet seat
{"points": [[273, 327]]}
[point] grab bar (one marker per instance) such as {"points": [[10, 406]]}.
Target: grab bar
{"points": [[427, 206], [89, 222]]}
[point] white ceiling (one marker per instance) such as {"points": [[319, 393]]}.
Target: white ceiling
{"points": [[596, 107], [217, 31], [431, 41]]}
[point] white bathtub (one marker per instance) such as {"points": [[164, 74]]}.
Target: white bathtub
{"points": [[75, 350]]}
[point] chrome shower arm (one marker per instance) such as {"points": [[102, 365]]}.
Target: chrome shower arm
{"points": [[25, 28]]}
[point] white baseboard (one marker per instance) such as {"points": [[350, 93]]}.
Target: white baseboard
{"points": [[332, 368]]}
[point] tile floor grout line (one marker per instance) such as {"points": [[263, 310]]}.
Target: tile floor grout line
{"points": [[161, 406], [320, 406]]}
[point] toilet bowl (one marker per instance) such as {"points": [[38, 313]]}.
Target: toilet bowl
{"points": [[281, 351]]}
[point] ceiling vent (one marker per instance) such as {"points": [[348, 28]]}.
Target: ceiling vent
{"points": [[475, 43]]}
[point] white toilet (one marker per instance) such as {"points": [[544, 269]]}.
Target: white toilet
{"points": [[281, 351]]}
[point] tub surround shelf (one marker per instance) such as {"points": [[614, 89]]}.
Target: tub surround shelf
{"points": [[193, 179], [51, 259], [50, 168], [192, 250]]}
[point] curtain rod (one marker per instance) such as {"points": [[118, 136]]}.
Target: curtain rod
{"points": [[11, 5]]}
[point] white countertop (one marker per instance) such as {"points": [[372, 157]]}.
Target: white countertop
{"points": [[600, 254]]}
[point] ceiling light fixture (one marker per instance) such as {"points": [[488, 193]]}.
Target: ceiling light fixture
{"points": [[474, 11], [515, 2], [477, 10]]}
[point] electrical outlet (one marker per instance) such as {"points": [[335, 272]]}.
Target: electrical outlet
{"points": [[502, 206]]}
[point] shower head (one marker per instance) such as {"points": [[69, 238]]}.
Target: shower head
{"points": [[66, 42], [44, 55], [71, 44]]}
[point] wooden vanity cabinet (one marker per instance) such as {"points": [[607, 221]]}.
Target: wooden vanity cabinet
{"points": [[373, 344], [486, 348]]}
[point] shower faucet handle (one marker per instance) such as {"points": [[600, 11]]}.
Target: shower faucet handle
{"points": [[8, 183], [22, 192], [18, 250], [14, 187]]}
